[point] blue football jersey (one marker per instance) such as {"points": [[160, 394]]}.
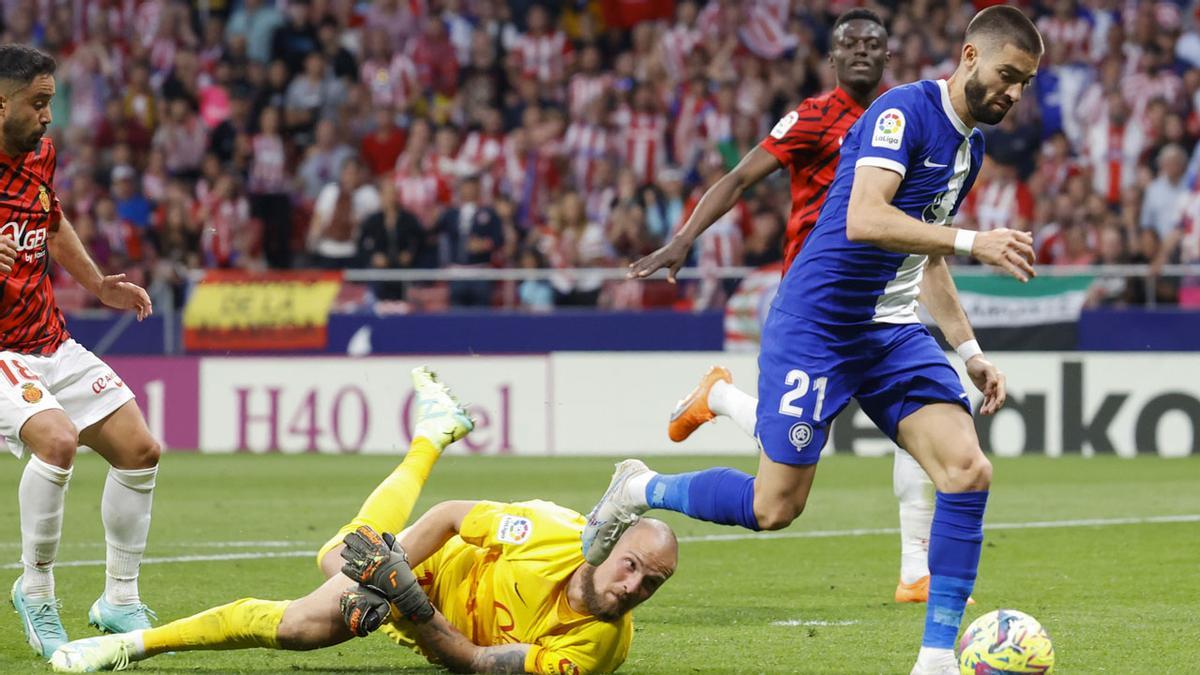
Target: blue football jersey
{"points": [[914, 131]]}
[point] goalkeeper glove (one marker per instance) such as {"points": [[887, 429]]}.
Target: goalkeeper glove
{"points": [[379, 563], [364, 610]]}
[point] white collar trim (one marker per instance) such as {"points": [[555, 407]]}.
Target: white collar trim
{"points": [[948, 108]]}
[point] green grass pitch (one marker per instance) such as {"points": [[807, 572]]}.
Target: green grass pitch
{"points": [[1116, 598]]}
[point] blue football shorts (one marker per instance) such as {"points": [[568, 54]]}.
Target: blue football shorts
{"points": [[808, 372]]}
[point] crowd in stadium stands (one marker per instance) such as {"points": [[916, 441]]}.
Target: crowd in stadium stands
{"points": [[261, 134]]}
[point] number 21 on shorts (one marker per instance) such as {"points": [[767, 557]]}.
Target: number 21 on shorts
{"points": [[800, 383]]}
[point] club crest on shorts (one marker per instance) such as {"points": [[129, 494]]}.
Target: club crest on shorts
{"points": [[801, 434], [514, 530], [44, 198], [31, 393]]}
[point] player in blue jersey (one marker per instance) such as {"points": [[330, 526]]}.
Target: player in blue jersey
{"points": [[844, 325]]}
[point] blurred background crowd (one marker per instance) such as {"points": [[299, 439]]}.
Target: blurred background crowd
{"points": [[276, 134]]}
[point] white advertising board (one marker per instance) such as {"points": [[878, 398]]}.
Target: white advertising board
{"points": [[338, 404], [618, 404]]}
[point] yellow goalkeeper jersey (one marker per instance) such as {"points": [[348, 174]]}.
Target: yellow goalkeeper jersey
{"points": [[503, 580]]}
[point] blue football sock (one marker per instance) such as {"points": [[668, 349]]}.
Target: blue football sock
{"points": [[722, 496], [954, 543]]}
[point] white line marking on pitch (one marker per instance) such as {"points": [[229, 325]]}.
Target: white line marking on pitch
{"points": [[176, 544], [216, 557], [815, 622], [814, 534], [1035, 525]]}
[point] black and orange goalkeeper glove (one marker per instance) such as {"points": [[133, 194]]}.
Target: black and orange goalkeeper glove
{"points": [[379, 563], [364, 610]]}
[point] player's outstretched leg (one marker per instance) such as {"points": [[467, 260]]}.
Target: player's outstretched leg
{"points": [[941, 436], [769, 501], [242, 624], [715, 396], [441, 420], [51, 437]]}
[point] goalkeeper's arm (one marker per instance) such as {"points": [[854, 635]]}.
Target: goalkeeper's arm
{"points": [[445, 645], [365, 609]]}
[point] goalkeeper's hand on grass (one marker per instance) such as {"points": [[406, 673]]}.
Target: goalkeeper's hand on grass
{"points": [[379, 563]]}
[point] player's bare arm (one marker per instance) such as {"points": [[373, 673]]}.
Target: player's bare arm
{"points": [[940, 297], [8, 254], [716, 202], [454, 651], [871, 218], [112, 289]]}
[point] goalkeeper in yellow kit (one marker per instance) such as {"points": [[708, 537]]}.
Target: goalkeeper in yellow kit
{"points": [[474, 586]]}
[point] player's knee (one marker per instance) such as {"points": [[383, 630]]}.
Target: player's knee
{"points": [[142, 454], [776, 514], [148, 453], [57, 446], [302, 630], [969, 474]]}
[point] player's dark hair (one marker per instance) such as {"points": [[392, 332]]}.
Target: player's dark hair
{"points": [[858, 13], [1008, 25], [20, 63]]}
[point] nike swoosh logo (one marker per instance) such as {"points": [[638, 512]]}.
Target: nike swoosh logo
{"points": [[934, 165], [518, 590]]}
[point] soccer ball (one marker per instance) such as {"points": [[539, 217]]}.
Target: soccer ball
{"points": [[1005, 641]]}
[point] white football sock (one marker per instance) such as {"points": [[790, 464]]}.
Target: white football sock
{"points": [[125, 510], [935, 660], [914, 489], [635, 488], [41, 494], [726, 399], [138, 638]]}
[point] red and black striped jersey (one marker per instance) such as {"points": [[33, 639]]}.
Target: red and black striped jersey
{"points": [[30, 321], [808, 141]]}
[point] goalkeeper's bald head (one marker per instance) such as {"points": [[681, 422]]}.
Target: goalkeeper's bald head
{"points": [[642, 561]]}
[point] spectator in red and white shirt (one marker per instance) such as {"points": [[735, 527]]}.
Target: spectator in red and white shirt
{"points": [[642, 133], [543, 51], [418, 188], [226, 215], [589, 84], [482, 150], [680, 40], [182, 139], [1113, 148], [269, 188], [390, 77], [1070, 28], [999, 200], [587, 143]]}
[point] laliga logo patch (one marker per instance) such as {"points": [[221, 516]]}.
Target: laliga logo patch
{"points": [[785, 123], [514, 530], [889, 129], [801, 434], [44, 198], [31, 393]]}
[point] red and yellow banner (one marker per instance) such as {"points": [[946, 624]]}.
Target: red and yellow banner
{"points": [[260, 311]]}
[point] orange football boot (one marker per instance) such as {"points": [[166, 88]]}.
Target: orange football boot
{"points": [[917, 591], [693, 410]]}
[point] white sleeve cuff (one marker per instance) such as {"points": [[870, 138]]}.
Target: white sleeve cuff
{"points": [[883, 163]]}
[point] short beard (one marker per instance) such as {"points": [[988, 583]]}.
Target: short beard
{"points": [[977, 103], [15, 140], [591, 598]]}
